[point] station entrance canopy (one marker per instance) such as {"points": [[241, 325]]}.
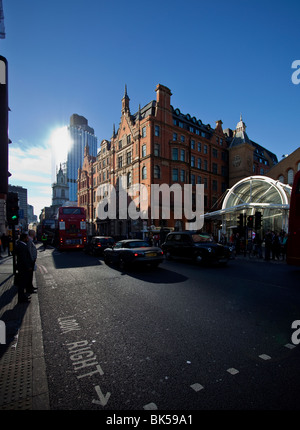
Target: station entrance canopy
{"points": [[255, 194]]}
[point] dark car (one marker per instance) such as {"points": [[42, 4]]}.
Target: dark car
{"points": [[97, 244], [132, 252], [198, 247]]}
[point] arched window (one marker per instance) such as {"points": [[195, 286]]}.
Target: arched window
{"points": [[290, 176], [144, 172], [156, 172], [281, 179], [298, 165]]}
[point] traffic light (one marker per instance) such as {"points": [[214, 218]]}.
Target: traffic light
{"points": [[3, 126], [258, 219], [12, 209], [250, 220], [240, 221]]}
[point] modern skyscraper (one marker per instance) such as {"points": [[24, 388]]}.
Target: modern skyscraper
{"points": [[81, 135]]}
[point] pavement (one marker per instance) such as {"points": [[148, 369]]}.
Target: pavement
{"points": [[23, 379]]}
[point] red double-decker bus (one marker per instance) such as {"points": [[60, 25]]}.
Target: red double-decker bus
{"points": [[293, 244], [71, 228]]}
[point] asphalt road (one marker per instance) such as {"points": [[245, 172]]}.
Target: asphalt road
{"points": [[177, 338]]}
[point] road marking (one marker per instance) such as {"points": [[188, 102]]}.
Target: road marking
{"points": [[290, 346], [102, 399], [265, 357], [150, 407], [232, 371], [197, 387]]}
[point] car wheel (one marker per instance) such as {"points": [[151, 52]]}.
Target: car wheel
{"points": [[198, 258], [155, 265], [168, 256], [122, 263]]}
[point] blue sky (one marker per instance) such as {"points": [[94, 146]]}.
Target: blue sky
{"points": [[219, 59]]}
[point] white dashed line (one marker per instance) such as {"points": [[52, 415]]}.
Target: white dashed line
{"points": [[150, 407], [265, 357], [232, 371], [197, 387], [290, 346]]}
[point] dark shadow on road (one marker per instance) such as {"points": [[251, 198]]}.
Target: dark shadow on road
{"points": [[158, 275], [72, 259]]}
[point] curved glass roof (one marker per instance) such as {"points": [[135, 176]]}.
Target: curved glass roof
{"points": [[257, 190]]}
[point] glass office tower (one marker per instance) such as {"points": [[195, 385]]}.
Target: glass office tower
{"points": [[81, 135]]}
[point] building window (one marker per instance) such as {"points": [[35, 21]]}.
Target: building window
{"points": [[128, 157], [175, 137], [144, 151], [192, 161], [205, 183], [156, 172], [290, 177], [192, 144], [205, 149], [199, 146], [215, 153], [120, 161], [215, 168], [120, 144], [156, 150], [281, 179], [157, 130], [175, 154], [129, 179], [144, 172], [198, 179], [175, 175], [215, 185], [199, 163], [128, 138], [205, 165], [182, 175], [182, 138], [144, 132], [193, 179], [182, 155]]}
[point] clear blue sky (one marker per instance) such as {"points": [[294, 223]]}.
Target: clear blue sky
{"points": [[219, 58]]}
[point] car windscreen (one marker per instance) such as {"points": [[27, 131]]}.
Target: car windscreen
{"points": [[200, 238], [138, 244], [106, 241]]}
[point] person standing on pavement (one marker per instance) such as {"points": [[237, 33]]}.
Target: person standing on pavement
{"points": [[44, 240], [24, 267], [33, 254]]}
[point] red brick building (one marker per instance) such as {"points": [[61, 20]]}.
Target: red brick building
{"points": [[156, 145], [161, 145]]}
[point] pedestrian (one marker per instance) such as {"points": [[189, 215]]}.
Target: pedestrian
{"points": [[10, 246], [275, 246], [24, 267], [268, 245], [44, 240], [33, 254]]}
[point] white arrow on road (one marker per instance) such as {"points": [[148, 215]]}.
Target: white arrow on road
{"points": [[102, 399]]}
